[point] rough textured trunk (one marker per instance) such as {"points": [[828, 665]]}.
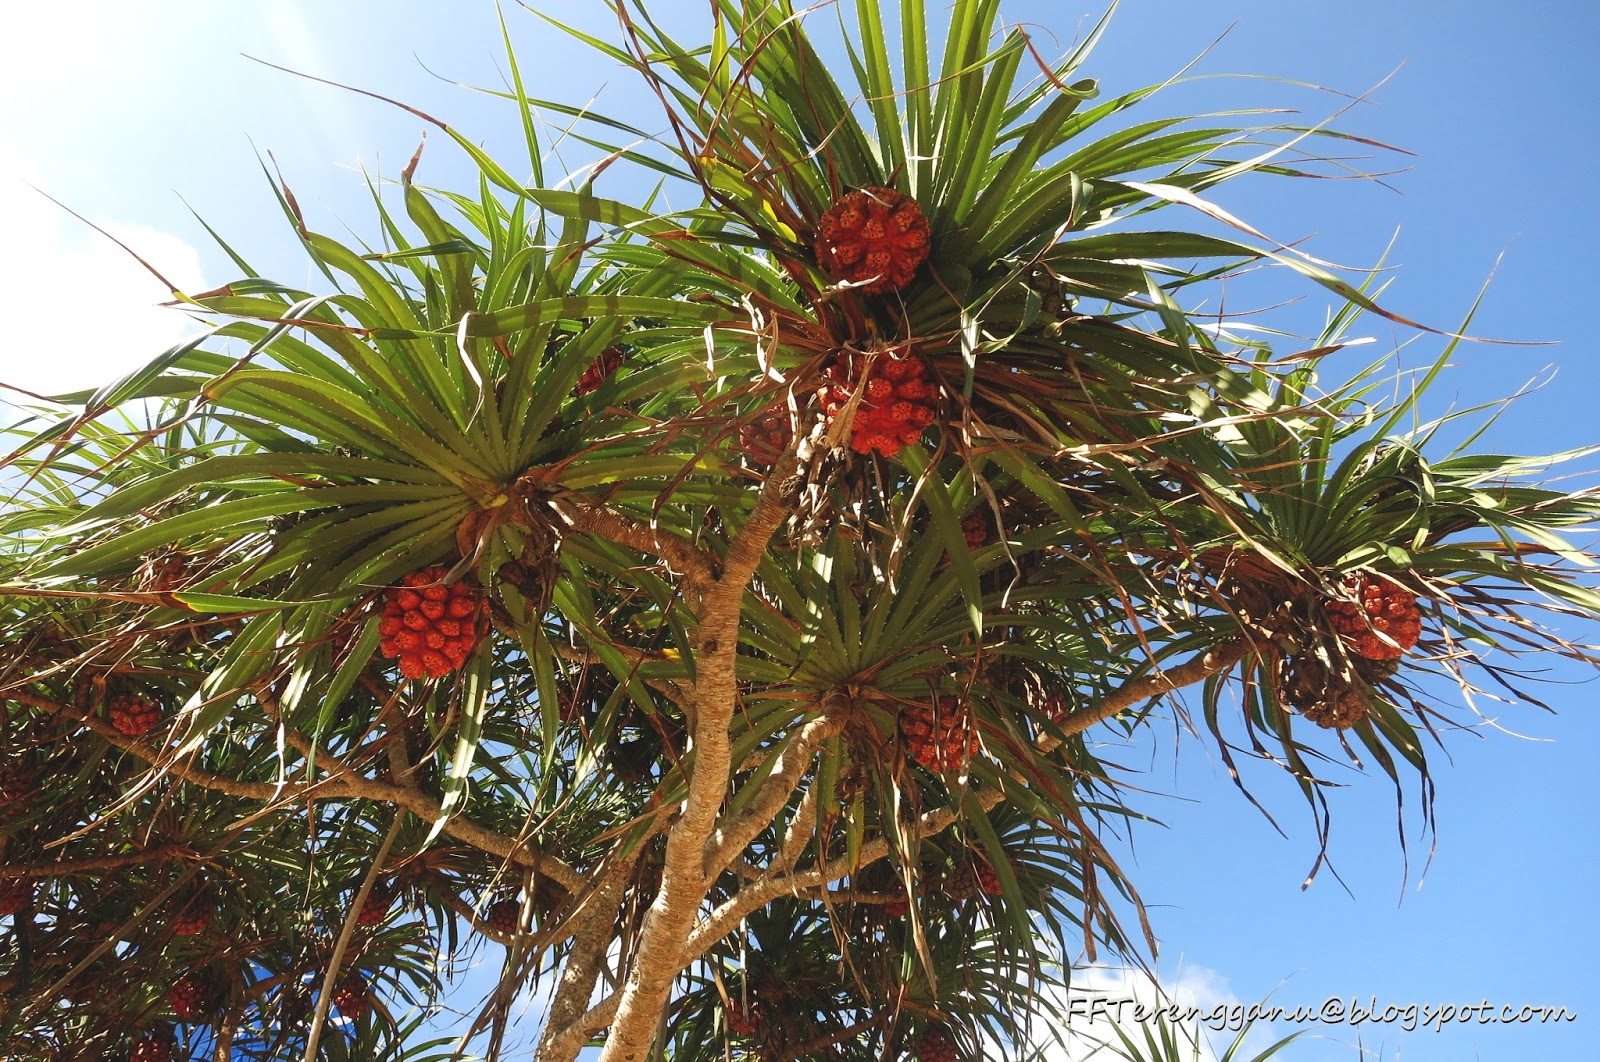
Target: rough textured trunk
{"points": [[561, 1041], [684, 881]]}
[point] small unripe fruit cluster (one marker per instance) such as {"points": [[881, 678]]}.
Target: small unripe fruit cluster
{"points": [[18, 786], [192, 920], [875, 237], [15, 894], [150, 1050], [164, 573], [742, 1021], [972, 875], [763, 440], [975, 529], [432, 628], [898, 400]]}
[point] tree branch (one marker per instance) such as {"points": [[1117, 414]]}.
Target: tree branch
{"points": [[353, 785], [564, 1031], [1196, 669], [63, 868], [732, 836], [801, 829], [697, 567], [684, 881], [759, 893]]}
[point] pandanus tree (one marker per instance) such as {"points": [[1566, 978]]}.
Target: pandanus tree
{"points": [[720, 609]]}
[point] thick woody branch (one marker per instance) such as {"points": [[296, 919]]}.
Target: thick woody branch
{"points": [[66, 868], [800, 831], [742, 828], [778, 882], [684, 881], [1195, 669], [571, 1041], [156, 757], [758, 894], [565, 1030], [681, 555]]}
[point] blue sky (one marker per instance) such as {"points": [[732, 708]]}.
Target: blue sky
{"points": [[117, 109]]}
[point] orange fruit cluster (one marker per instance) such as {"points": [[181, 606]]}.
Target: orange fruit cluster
{"points": [[898, 401], [941, 735], [740, 1021], [187, 996], [375, 908], [150, 1050], [351, 998], [134, 716], [1382, 623], [876, 237], [432, 628], [192, 920]]}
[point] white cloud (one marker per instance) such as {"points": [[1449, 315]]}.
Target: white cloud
{"points": [[79, 310]]}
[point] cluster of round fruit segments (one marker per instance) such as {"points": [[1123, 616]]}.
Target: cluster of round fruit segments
{"points": [[936, 1045], [431, 627], [742, 1022], [150, 1049], [763, 440], [503, 915], [375, 908], [134, 716], [975, 529], [188, 996], [192, 919], [939, 735], [1383, 621], [352, 998], [898, 400], [875, 238], [970, 876]]}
